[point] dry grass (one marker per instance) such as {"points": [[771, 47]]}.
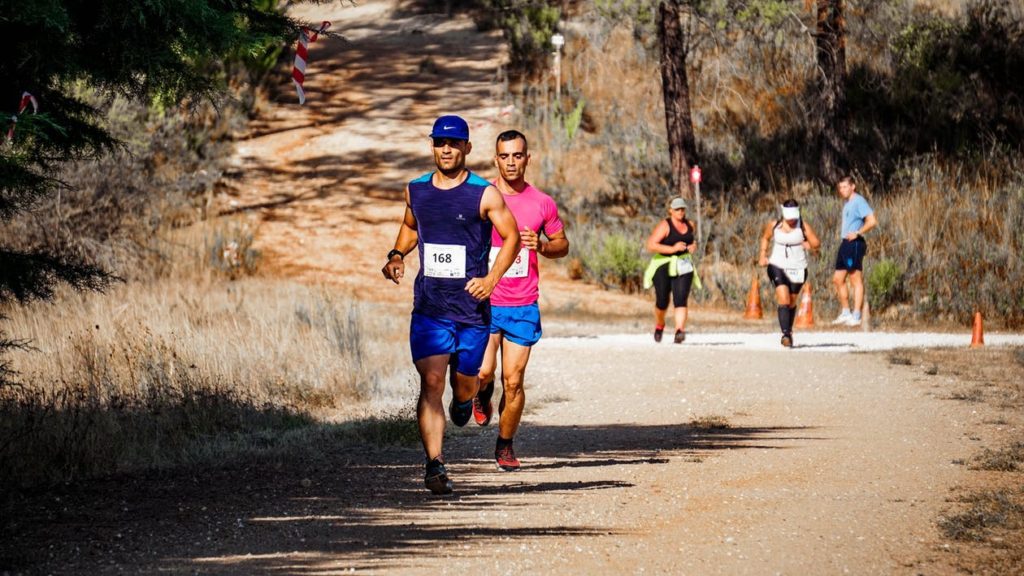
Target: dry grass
{"points": [[190, 371], [711, 422], [985, 524], [950, 230]]}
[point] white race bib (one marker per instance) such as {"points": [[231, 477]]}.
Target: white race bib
{"points": [[520, 266], [444, 260], [683, 266], [796, 275]]}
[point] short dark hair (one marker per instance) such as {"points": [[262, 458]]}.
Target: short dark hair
{"points": [[848, 179], [791, 203], [510, 135]]}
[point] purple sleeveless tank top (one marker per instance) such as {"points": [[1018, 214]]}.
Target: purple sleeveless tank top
{"points": [[454, 243]]}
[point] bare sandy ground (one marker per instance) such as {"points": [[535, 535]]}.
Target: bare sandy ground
{"points": [[704, 458]]}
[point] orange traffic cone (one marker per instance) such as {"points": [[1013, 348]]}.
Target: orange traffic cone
{"points": [[805, 315], [977, 336], [754, 301]]}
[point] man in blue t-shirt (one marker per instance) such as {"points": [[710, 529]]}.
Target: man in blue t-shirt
{"points": [[449, 216], [858, 218]]}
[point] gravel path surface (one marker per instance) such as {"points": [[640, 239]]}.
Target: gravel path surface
{"points": [[804, 341]]}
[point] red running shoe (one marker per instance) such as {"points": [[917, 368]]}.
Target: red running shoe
{"points": [[482, 408], [506, 459], [482, 412]]}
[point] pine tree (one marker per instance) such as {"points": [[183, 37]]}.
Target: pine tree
{"points": [[158, 50]]}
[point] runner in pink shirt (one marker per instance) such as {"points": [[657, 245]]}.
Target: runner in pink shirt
{"points": [[515, 315]]}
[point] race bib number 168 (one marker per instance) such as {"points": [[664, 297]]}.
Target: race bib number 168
{"points": [[444, 260]]}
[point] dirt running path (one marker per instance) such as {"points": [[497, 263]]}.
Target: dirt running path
{"points": [[323, 183], [821, 462], [638, 459]]}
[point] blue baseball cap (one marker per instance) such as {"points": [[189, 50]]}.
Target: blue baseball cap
{"points": [[450, 127]]}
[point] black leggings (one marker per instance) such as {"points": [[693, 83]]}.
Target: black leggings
{"points": [[680, 287]]}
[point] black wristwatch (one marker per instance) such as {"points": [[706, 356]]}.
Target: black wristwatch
{"points": [[396, 253]]}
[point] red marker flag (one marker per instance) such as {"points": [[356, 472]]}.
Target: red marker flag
{"points": [[26, 99], [306, 36]]}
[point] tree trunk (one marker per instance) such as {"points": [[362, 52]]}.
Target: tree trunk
{"points": [[831, 49], [682, 146]]}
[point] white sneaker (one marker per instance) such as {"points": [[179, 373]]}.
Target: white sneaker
{"points": [[843, 318], [853, 320]]}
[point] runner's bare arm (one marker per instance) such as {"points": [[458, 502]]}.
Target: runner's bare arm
{"points": [[766, 237], [869, 222], [394, 270], [812, 242], [654, 245], [493, 207], [557, 245]]}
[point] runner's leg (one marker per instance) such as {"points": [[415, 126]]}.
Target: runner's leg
{"points": [[513, 371], [857, 282], [782, 297], [490, 364], [430, 407], [839, 281], [680, 314]]}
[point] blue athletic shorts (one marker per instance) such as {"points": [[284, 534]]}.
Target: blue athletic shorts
{"points": [[519, 324], [851, 255], [430, 336]]}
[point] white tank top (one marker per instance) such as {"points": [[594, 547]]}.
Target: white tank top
{"points": [[788, 248]]}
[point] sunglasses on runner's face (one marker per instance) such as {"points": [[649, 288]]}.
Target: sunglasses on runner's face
{"points": [[451, 142]]}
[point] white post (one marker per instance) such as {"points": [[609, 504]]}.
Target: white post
{"points": [[695, 178], [557, 40], [700, 239]]}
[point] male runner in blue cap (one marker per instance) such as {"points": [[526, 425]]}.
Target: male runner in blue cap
{"points": [[449, 216]]}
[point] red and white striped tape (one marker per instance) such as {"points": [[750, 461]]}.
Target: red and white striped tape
{"points": [[26, 99], [502, 113], [306, 36]]}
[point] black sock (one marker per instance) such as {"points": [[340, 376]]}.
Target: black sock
{"points": [[502, 443], [790, 318], [485, 393], [785, 319]]}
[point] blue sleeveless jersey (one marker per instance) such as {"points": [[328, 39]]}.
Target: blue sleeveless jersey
{"points": [[451, 217]]}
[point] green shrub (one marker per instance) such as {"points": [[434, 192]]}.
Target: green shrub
{"points": [[617, 262], [885, 284]]}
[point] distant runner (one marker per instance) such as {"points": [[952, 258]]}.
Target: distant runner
{"points": [[450, 215], [858, 219], [515, 315], [789, 238], [671, 271]]}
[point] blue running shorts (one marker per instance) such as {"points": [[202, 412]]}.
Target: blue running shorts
{"points": [[429, 336], [519, 324]]}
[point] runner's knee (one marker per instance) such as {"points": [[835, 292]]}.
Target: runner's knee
{"points": [[486, 374], [512, 383]]}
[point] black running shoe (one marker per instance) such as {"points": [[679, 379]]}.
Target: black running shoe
{"points": [[680, 336], [657, 334], [460, 413], [436, 477]]}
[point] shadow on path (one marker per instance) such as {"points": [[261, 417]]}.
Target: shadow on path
{"points": [[351, 507]]}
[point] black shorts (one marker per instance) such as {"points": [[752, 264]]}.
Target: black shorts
{"points": [[778, 278], [679, 286], [851, 255]]}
